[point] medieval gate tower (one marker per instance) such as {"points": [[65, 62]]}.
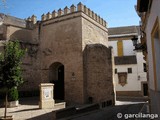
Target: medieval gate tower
{"points": [[68, 48]]}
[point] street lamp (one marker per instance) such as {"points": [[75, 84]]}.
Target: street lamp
{"points": [[138, 46], [134, 40]]}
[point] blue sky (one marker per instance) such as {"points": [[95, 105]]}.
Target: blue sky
{"points": [[115, 12]]}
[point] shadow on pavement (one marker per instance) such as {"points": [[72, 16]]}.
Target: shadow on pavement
{"points": [[29, 101], [47, 116], [26, 110]]}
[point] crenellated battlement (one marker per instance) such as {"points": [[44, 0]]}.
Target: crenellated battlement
{"points": [[66, 11]]}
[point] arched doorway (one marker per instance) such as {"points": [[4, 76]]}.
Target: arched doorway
{"points": [[56, 76]]}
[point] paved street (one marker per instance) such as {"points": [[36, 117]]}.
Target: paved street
{"points": [[29, 110], [110, 113]]}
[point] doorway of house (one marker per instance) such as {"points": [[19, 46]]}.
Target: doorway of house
{"points": [[145, 89], [56, 76]]}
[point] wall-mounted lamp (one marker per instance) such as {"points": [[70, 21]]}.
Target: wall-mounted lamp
{"points": [[138, 46], [139, 77], [134, 40], [73, 76]]}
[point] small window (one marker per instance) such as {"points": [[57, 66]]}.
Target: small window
{"points": [[1, 37], [144, 67], [129, 70], [115, 71]]}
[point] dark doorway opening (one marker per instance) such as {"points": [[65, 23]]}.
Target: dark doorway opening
{"points": [[56, 76], [145, 89]]}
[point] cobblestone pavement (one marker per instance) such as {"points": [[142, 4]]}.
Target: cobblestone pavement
{"points": [[29, 110]]}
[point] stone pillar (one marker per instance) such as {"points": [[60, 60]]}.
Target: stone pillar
{"points": [[89, 13], [93, 15], [60, 12], [96, 17], [101, 20], [73, 8], [49, 16], [105, 23], [85, 10], [80, 7], [28, 19], [43, 17], [66, 10], [54, 14], [46, 96], [34, 19]]}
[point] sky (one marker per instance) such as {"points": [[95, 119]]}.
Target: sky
{"points": [[116, 12]]}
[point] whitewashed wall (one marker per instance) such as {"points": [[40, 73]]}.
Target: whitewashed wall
{"points": [[128, 47], [133, 82], [135, 78], [114, 45], [151, 20]]}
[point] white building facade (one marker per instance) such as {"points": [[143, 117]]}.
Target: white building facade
{"points": [[149, 12], [129, 76]]}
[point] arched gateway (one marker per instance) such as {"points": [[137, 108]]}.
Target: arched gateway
{"points": [[56, 76]]}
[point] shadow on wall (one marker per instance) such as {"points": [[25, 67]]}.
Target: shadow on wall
{"points": [[23, 35]]}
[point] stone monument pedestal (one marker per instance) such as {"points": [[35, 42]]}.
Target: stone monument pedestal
{"points": [[46, 96]]}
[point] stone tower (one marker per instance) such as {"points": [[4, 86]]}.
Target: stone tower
{"points": [[69, 48]]}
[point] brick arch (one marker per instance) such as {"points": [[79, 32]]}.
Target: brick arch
{"points": [[56, 76]]}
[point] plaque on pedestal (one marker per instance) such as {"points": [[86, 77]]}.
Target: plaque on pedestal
{"points": [[46, 96]]}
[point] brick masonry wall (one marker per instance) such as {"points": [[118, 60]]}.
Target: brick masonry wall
{"points": [[63, 42], [98, 73]]}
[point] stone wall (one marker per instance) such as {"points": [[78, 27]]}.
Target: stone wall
{"points": [[154, 103], [93, 32], [63, 42], [66, 37], [98, 73], [29, 41], [16, 33], [9, 20]]}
